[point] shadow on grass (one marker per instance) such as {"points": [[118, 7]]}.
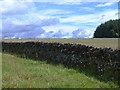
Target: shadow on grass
{"points": [[90, 73]]}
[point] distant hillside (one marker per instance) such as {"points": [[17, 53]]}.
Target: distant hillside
{"points": [[109, 29]]}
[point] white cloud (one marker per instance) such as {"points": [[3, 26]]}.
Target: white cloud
{"points": [[72, 1], [87, 8], [14, 7], [52, 12], [66, 31], [109, 14], [64, 28], [79, 19], [43, 14], [106, 4], [83, 33], [60, 1], [91, 18]]}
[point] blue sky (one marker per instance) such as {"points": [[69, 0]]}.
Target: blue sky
{"points": [[54, 18]]}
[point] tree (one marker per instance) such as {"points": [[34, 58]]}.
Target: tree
{"points": [[109, 29]]}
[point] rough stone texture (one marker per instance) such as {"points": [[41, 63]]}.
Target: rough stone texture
{"points": [[102, 62]]}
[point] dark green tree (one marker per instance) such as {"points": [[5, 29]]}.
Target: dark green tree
{"points": [[109, 29]]}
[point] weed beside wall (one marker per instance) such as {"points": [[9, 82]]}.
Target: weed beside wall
{"points": [[103, 63]]}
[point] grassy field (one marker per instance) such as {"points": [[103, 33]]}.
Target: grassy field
{"points": [[26, 73], [96, 42], [0, 71]]}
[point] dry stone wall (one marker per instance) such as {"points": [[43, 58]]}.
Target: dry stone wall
{"points": [[102, 62]]}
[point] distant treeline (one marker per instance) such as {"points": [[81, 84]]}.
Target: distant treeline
{"points": [[109, 29], [102, 63]]}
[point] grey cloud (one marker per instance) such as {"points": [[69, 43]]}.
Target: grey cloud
{"points": [[49, 34], [32, 34], [81, 33], [47, 22], [76, 33], [59, 34], [32, 30]]}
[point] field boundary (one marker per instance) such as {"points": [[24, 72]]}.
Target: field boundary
{"points": [[103, 63]]}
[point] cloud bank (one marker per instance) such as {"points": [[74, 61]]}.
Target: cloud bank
{"points": [[54, 18]]}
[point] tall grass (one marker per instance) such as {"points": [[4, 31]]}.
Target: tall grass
{"points": [[27, 73]]}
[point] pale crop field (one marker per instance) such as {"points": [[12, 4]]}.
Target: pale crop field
{"points": [[95, 42]]}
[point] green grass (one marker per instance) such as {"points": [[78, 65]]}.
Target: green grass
{"points": [[96, 42], [0, 71], [26, 73]]}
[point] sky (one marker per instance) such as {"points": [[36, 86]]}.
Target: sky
{"points": [[54, 18]]}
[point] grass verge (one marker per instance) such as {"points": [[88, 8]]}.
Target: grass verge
{"points": [[26, 73]]}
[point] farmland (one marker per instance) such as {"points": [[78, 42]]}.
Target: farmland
{"points": [[98, 60], [96, 42], [27, 73]]}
